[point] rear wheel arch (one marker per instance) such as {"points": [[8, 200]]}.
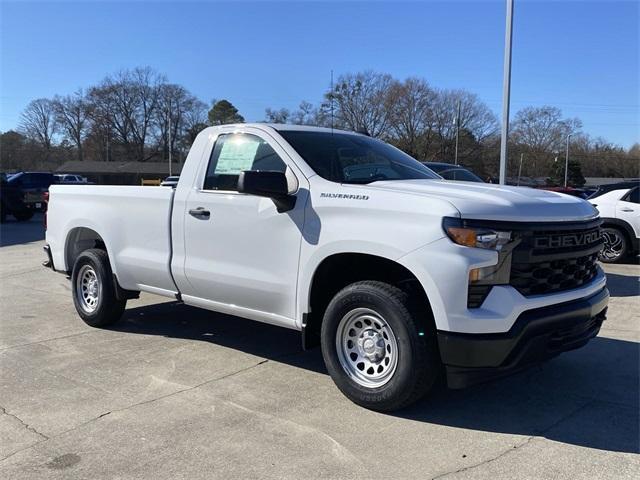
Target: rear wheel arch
{"points": [[341, 269], [80, 239]]}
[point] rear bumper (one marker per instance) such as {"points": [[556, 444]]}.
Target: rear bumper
{"points": [[49, 262], [536, 335]]}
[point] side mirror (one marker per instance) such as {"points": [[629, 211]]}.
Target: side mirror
{"points": [[267, 184]]}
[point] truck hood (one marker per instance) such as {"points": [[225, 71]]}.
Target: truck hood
{"points": [[497, 202]]}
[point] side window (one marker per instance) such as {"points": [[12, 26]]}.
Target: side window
{"points": [[633, 196], [236, 152]]}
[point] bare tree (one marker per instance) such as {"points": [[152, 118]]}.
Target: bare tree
{"points": [[177, 112], [195, 120], [475, 116], [38, 122], [305, 114], [476, 123], [277, 116], [363, 101], [542, 129], [72, 116], [125, 105], [308, 114], [412, 116]]}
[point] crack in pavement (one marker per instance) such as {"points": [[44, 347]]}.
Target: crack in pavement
{"points": [[24, 424], [518, 446], [145, 402], [17, 274], [10, 347], [484, 462]]}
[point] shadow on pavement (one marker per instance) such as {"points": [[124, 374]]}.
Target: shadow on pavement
{"points": [[623, 285], [589, 397], [13, 232]]}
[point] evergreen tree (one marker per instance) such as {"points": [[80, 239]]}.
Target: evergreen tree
{"points": [[223, 112]]}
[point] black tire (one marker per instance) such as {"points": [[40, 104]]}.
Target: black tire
{"points": [[23, 216], [106, 309], [616, 245], [418, 362]]}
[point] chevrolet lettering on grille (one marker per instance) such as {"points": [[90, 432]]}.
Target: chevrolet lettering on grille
{"points": [[572, 240]]}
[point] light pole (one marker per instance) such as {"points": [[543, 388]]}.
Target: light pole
{"points": [[169, 133], [457, 131], [520, 169], [566, 162], [506, 88]]}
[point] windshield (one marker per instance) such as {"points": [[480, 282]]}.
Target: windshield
{"points": [[346, 158]]}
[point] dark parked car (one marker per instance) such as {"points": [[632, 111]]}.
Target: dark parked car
{"points": [[11, 202], [449, 171], [22, 194], [576, 192], [602, 189]]}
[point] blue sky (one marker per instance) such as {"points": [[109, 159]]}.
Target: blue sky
{"points": [[581, 56]]}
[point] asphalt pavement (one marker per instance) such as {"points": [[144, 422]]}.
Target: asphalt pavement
{"points": [[176, 392]]}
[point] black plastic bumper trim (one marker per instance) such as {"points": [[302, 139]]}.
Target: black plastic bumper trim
{"points": [[537, 335], [49, 262]]}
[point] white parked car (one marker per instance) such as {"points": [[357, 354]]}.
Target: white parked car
{"points": [[619, 207], [71, 179], [397, 273]]}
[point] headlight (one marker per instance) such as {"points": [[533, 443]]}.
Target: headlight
{"points": [[477, 237]]}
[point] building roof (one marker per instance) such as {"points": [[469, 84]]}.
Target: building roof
{"points": [[606, 180], [89, 167]]}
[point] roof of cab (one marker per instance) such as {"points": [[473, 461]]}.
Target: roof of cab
{"points": [[290, 127]]}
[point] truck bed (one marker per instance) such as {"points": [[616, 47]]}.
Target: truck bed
{"points": [[133, 222]]}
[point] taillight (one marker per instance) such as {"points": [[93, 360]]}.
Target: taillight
{"points": [[45, 199]]}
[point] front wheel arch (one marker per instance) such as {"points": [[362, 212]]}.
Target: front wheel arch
{"points": [[341, 269]]}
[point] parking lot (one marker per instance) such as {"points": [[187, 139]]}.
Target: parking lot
{"points": [[176, 392]]}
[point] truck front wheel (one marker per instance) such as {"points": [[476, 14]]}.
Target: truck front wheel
{"points": [[379, 352], [94, 290]]}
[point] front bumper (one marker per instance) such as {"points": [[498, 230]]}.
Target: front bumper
{"points": [[536, 335]]}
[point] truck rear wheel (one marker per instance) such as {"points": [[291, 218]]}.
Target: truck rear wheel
{"points": [[94, 289], [380, 353]]}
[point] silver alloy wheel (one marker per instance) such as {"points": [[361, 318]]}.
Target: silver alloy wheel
{"points": [[88, 288], [367, 348], [613, 245]]}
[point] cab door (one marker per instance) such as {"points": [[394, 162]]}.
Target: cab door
{"points": [[241, 255], [628, 209]]}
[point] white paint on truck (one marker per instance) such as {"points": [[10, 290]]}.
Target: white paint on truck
{"points": [[249, 259]]}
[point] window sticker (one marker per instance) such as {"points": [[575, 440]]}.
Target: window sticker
{"points": [[237, 154]]}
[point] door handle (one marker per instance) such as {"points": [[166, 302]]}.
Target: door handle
{"points": [[627, 209], [199, 212]]}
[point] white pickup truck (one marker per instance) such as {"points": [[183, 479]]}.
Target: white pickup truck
{"points": [[400, 276]]}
